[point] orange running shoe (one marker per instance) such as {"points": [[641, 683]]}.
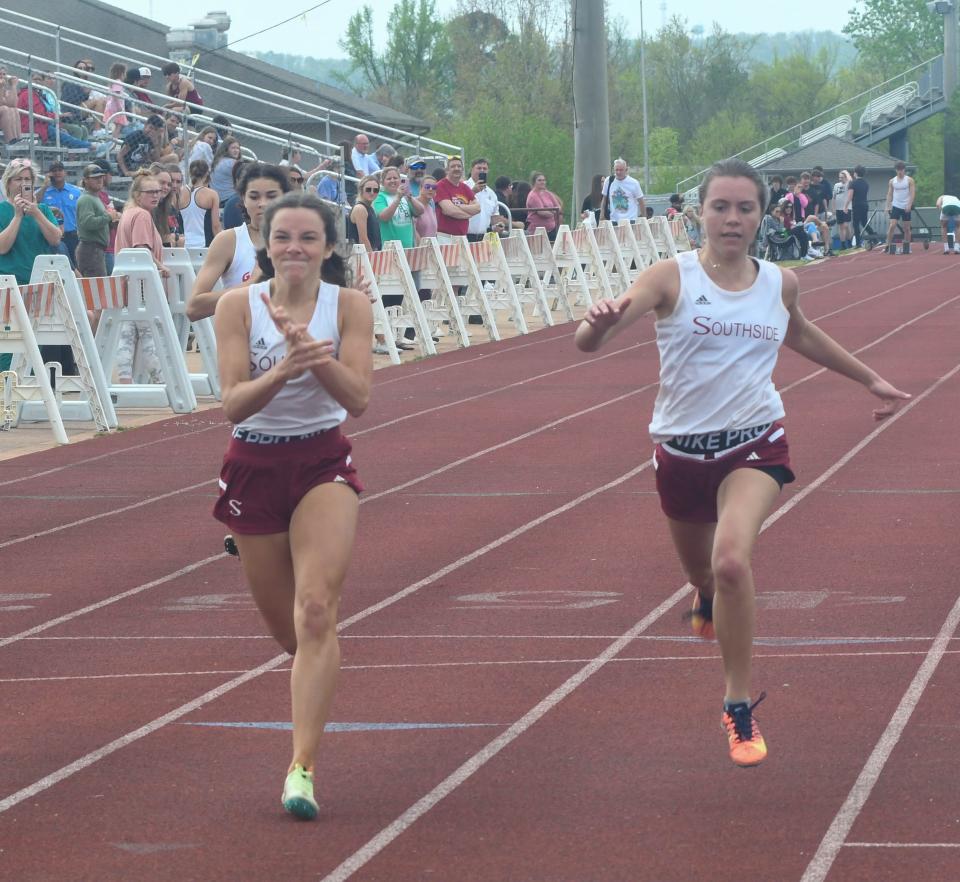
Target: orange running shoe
{"points": [[747, 747], [700, 616]]}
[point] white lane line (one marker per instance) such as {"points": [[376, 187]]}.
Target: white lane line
{"points": [[146, 586], [161, 497], [472, 358], [453, 781], [467, 663], [356, 434], [389, 833], [901, 844], [115, 745], [103, 514], [873, 343], [671, 638], [842, 823], [363, 501]]}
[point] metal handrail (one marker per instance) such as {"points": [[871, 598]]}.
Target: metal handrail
{"points": [[258, 129], [792, 134], [311, 112]]}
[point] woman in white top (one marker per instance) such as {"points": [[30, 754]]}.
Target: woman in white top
{"points": [[294, 356], [199, 207], [721, 317], [232, 258]]}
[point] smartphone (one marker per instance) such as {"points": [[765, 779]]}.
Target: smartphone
{"points": [[26, 191], [482, 177]]}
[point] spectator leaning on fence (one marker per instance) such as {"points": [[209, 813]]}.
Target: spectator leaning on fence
{"points": [[360, 157], [545, 207]]}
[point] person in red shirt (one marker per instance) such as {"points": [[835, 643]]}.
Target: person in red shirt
{"points": [[456, 203]]}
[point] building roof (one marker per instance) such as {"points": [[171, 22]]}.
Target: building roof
{"points": [[833, 154]]}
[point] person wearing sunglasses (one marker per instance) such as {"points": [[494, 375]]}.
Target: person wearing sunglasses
{"points": [[295, 173], [138, 230], [27, 230], [363, 228], [426, 222]]}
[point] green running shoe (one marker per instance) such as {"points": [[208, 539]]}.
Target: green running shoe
{"points": [[298, 794]]}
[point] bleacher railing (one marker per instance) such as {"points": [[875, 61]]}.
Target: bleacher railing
{"points": [[928, 76], [214, 82], [254, 129]]}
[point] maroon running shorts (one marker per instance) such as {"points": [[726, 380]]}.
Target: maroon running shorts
{"points": [[264, 477], [688, 483]]}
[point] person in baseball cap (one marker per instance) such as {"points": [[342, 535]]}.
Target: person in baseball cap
{"points": [[418, 168]]}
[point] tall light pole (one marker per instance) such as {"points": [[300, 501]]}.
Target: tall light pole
{"points": [[951, 121], [591, 124], [643, 89]]}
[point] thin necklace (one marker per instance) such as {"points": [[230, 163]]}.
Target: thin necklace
{"points": [[703, 255]]}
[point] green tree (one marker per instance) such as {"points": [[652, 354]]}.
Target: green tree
{"points": [[792, 89], [724, 134], [412, 72], [893, 35]]}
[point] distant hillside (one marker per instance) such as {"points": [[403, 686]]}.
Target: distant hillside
{"points": [[765, 46], [324, 70]]}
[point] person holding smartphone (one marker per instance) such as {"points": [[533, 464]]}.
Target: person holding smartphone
{"points": [[479, 224], [27, 230]]}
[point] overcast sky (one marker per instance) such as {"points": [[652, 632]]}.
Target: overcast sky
{"points": [[323, 28]]}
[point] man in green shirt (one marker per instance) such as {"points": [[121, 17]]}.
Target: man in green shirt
{"points": [[93, 224]]}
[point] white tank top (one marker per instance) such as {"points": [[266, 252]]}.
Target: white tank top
{"points": [[193, 223], [244, 260], [717, 354], [901, 192], [302, 405]]}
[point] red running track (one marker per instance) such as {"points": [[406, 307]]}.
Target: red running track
{"points": [[519, 699]]}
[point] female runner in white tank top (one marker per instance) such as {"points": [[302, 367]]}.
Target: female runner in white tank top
{"points": [[294, 357], [721, 455], [232, 258]]}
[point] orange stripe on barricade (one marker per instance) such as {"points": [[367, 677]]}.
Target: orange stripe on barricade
{"points": [[451, 254], [676, 226], [6, 306], [104, 292], [480, 251], [416, 258], [38, 299], [381, 262], [580, 236]]}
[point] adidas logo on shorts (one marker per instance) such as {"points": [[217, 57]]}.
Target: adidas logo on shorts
{"points": [[753, 457], [702, 300]]}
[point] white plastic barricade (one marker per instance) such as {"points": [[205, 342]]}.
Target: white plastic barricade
{"points": [[567, 261], [392, 277], [146, 301], [612, 257], [497, 279], [646, 243], [462, 272], [364, 268], [555, 283], [442, 309], [634, 259], [678, 229], [666, 247], [591, 261], [179, 286], [197, 257], [523, 268], [71, 326], [19, 311]]}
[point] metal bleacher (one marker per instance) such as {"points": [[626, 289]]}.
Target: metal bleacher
{"points": [[881, 112], [264, 140]]}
